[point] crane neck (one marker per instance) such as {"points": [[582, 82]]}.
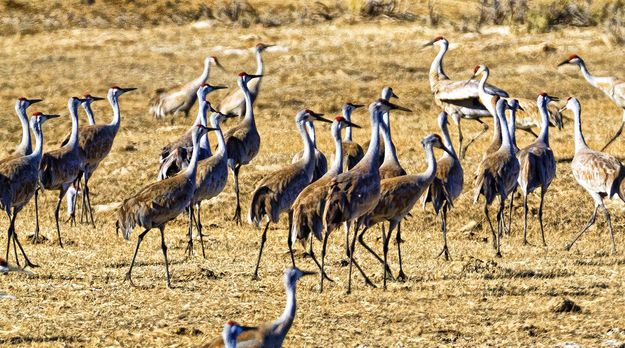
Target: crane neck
{"points": [[447, 141], [371, 156], [430, 171], [89, 112], [230, 341], [249, 112], [505, 134], [512, 128], [337, 165], [25, 146], [260, 65], [310, 129], [436, 69], [37, 153], [482, 84], [205, 146], [390, 154], [114, 101], [591, 79], [497, 126], [203, 77], [347, 114], [285, 320], [544, 127], [580, 142], [192, 168], [309, 149], [73, 138], [221, 142]]}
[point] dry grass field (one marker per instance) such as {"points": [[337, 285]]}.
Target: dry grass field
{"points": [[78, 296]]}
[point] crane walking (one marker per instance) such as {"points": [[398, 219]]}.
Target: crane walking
{"points": [[613, 87], [160, 202], [600, 174], [276, 192]]}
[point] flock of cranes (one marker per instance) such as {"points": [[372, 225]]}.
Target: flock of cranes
{"points": [[360, 189]]}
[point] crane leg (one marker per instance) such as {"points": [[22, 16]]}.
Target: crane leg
{"points": [[353, 262], [490, 224], [139, 240], [473, 139], [36, 234], [590, 222], [289, 242], [525, 208], [500, 224], [62, 191], [401, 276], [263, 239], [615, 136], [540, 215], [16, 240], [346, 227], [237, 212], [361, 240], [607, 218], [164, 248], [385, 242], [199, 229], [9, 234], [509, 229], [320, 266], [189, 250], [460, 138], [445, 251], [87, 194], [323, 260]]}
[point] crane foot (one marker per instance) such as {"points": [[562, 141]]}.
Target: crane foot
{"points": [[128, 278], [401, 277]]}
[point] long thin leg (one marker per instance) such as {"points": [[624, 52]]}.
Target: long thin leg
{"points": [[385, 242], [311, 252], [62, 191], [260, 252], [237, 212], [139, 240], [466, 147], [164, 247], [500, 224], [323, 259], [16, 240], [510, 212], [189, 250], [361, 240], [445, 250], [289, 242], [491, 225], [401, 276], [199, 229], [608, 219], [88, 195], [525, 208], [615, 136], [590, 222], [9, 234], [460, 138], [540, 215], [353, 262], [36, 236]]}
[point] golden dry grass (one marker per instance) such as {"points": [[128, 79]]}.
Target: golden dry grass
{"points": [[78, 296]]}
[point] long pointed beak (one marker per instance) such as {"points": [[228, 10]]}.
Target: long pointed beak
{"points": [[393, 95], [353, 125], [52, 116], [356, 106], [444, 148], [219, 87], [322, 119], [247, 328], [230, 115], [34, 101], [469, 80], [562, 109], [254, 76], [307, 273], [397, 107], [128, 89], [218, 64], [428, 44], [564, 63], [521, 108], [97, 98], [554, 98]]}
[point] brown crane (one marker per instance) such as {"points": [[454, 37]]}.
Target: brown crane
{"points": [[321, 162], [352, 151]]}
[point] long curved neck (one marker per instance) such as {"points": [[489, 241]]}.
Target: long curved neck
{"points": [[25, 146], [89, 112], [430, 171], [202, 78], [309, 149], [371, 155], [249, 112], [347, 114], [230, 341], [260, 65], [447, 141], [482, 83], [505, 135], [580, 142], [496, 129], [114, 100], [337, 165], [390, 155], [221, 142], [436, 69], [73, 138], [285, 321], [591, 79], [201, 119], [512, 127], [544, 130], [36, 154], [192, 168]]}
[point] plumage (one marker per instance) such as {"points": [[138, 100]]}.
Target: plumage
{"points": [[321, 162], [352, 151], [24, 147]]}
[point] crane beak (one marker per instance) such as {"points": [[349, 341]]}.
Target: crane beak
{"points": [[307, 273], [397, 107], [48, 117], [128, 89], [562, 109], [220, 66], [319, 118], [353, 125], [564, 63], [247, 328], [393, 95], [96, 98], [219, 87], [356, 106], [521, 108], [254, 76], [553, 98], [229, 115], [34, 101], [428, 44]]}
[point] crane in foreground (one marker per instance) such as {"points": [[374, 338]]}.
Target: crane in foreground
{"points": [[600, 174], [398, 196], [235, 103], [497, 176], [310, 203], [537, 166], [448, 183], [613, 87], [160, 202], [169, 101], [276, 192], [271, 333], [354, 193], [352, 151], [242, 140], [19, 179]]}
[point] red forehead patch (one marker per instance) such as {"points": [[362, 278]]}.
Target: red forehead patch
{"points": [[242, 73], [340, 118], [477, 67], [543, 94], [115, 87], [438, 38], [37, 113], [21, 98], [569, 98], [232, 323], [573, 56]]}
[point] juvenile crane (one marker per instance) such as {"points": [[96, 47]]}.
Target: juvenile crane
{"points": [[448, 183], [175, 156], [272, 333], [600, 174], [19, 179], [497, 176], [321, 162], [309, 204], [352, 151], [235, 103], [460, 99], [356, 192], [398, 196], [169, 101], [537, 166], [242, 140], [158, 203], [613, 87], [277, 191], [61, 167]]}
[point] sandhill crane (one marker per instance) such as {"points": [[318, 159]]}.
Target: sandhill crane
{"points": [[600, 174], [271, 333], [537, 166], [448, 183], [212, 175], [497, 176], [399, 194], [276, 192], [19, 179], [175, 156], [458, 98], [61, 167], [386, 94], [242, 140], [352, 151], [321, 162], [530, 117], [25, 146], [309, 204], [235, 103], [613, 87], [180, 98], [86, 104], [96, 141], [160, 202], [356, 192], [229, 335]]}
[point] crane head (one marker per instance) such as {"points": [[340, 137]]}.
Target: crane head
{"points": [[434, 140], [548, 98], [88, 98], [261, 47], [436, 41], [39, 118], [245, 77], [214, 60], [385, 105], [387, 93], [116, 91], [232, 330], [310, 116], [344, 123], [24, 103], [293, 274], [573, 59], [571, 103], [513, 104]]}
